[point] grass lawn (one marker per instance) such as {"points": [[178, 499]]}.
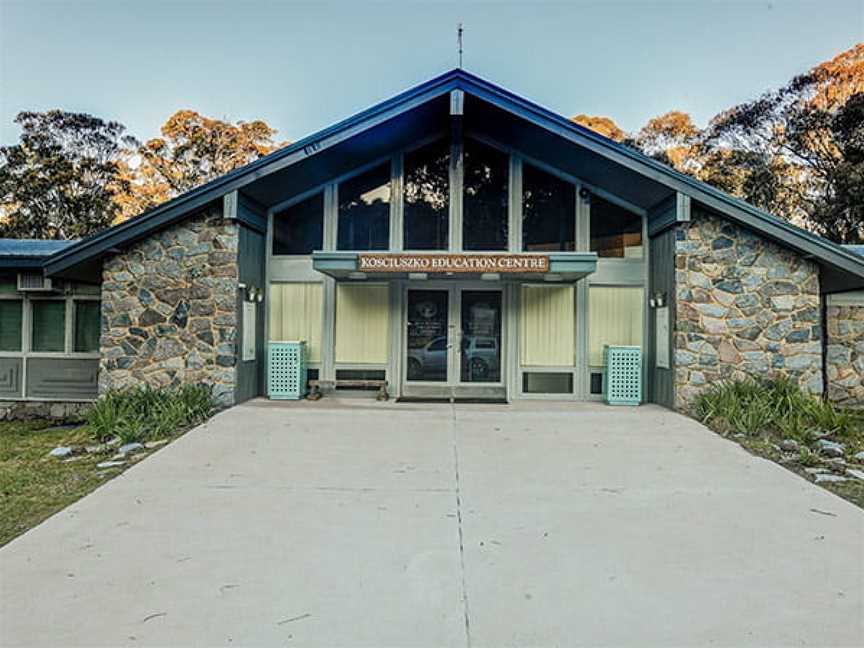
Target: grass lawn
{"points": [[34, 486]]}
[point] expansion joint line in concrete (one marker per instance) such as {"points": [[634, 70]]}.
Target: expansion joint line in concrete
{"points": [[459, 522]]}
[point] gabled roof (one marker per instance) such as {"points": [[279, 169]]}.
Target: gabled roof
{"points": [[29, 253], [32, 247], [834, 257]]}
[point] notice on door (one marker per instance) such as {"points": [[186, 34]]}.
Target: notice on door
{"points": [[453, 263]]}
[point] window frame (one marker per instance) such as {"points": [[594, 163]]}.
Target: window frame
{"points": [[453, 208], [459, 181], [16, 297], [68, 326], [326, 191], [390, 160]]}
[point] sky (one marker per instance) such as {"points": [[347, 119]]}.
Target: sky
{"points": [[302, 66]]}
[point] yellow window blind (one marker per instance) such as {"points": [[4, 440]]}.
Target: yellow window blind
{"points": [[295, 314], [547, 326], [614, 317], [362, 317]]}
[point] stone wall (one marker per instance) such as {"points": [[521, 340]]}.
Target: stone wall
{"points": [[844, 360], [169, 309], [53, 411], [745, 306]]}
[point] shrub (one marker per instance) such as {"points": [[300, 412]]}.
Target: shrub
{"points": [[752, 406], [146, 413]]}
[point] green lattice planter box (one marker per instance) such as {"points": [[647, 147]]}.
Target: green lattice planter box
{"points": [[286, 370], [622, 384]]}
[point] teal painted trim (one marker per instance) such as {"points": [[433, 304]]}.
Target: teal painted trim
{"points": [[251, 214], [662, 216], [334, 261], [668, 213], [578, 263], [581, 263]]}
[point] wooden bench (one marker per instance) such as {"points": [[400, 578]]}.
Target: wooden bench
{"points": [[316, 385]]}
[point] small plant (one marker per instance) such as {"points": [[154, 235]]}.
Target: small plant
{"points": [[145, 413], [808, 458], [753, 406]]}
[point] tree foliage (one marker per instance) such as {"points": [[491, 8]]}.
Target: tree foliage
{"points": [[193, 149], [603, 125], [795, 151], [61, 180]]}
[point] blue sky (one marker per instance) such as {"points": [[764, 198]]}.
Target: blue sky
{"points": [[302, 66]]}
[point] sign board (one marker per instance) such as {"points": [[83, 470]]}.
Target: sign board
{"points": [[661, 335], [452, 263]]}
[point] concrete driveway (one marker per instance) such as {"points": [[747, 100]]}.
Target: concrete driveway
{"points": [[354, 523]]}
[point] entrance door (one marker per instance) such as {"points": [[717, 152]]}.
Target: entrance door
{"points": [[453, 343]]}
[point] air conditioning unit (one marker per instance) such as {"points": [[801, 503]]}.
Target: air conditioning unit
{"points": [[33, 282]]}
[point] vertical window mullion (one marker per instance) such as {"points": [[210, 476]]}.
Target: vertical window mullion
{"points": [[583, 220], [69, 320], [515, 204], [397, 202], [26, 323], [457, 180], [331, 208]]}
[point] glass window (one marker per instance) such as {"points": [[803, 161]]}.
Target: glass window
{"points": [[10, 324], [299, 229], [364, 211], [480, 360], [49, 325], [427, 197], [484, 208], [614, 317], [548, 212], [87, 325], [427, 333], [547, 382], [615, 231]]}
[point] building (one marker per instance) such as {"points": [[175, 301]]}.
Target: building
{"points": [[456, 241]]}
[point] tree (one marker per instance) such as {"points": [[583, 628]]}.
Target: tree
{"points": [[672, 139], [602, 125], [61, 179], [803, 143], [192, 150]]}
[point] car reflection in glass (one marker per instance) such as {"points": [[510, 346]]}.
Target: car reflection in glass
{"points": [[480, 360]]}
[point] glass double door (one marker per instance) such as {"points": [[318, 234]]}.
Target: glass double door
{"points": [[453, 336]]}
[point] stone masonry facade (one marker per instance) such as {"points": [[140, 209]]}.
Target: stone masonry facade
{"points": [[844, 358], [745, 306], [169, 311]]}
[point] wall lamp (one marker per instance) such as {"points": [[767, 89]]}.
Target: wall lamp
{"points": [[253, 293], [657, 300]]}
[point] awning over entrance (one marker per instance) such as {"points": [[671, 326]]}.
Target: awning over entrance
{"points": [[526, 266]]}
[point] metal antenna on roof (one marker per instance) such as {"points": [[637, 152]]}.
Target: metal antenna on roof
{"points": [[459, 31]]}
